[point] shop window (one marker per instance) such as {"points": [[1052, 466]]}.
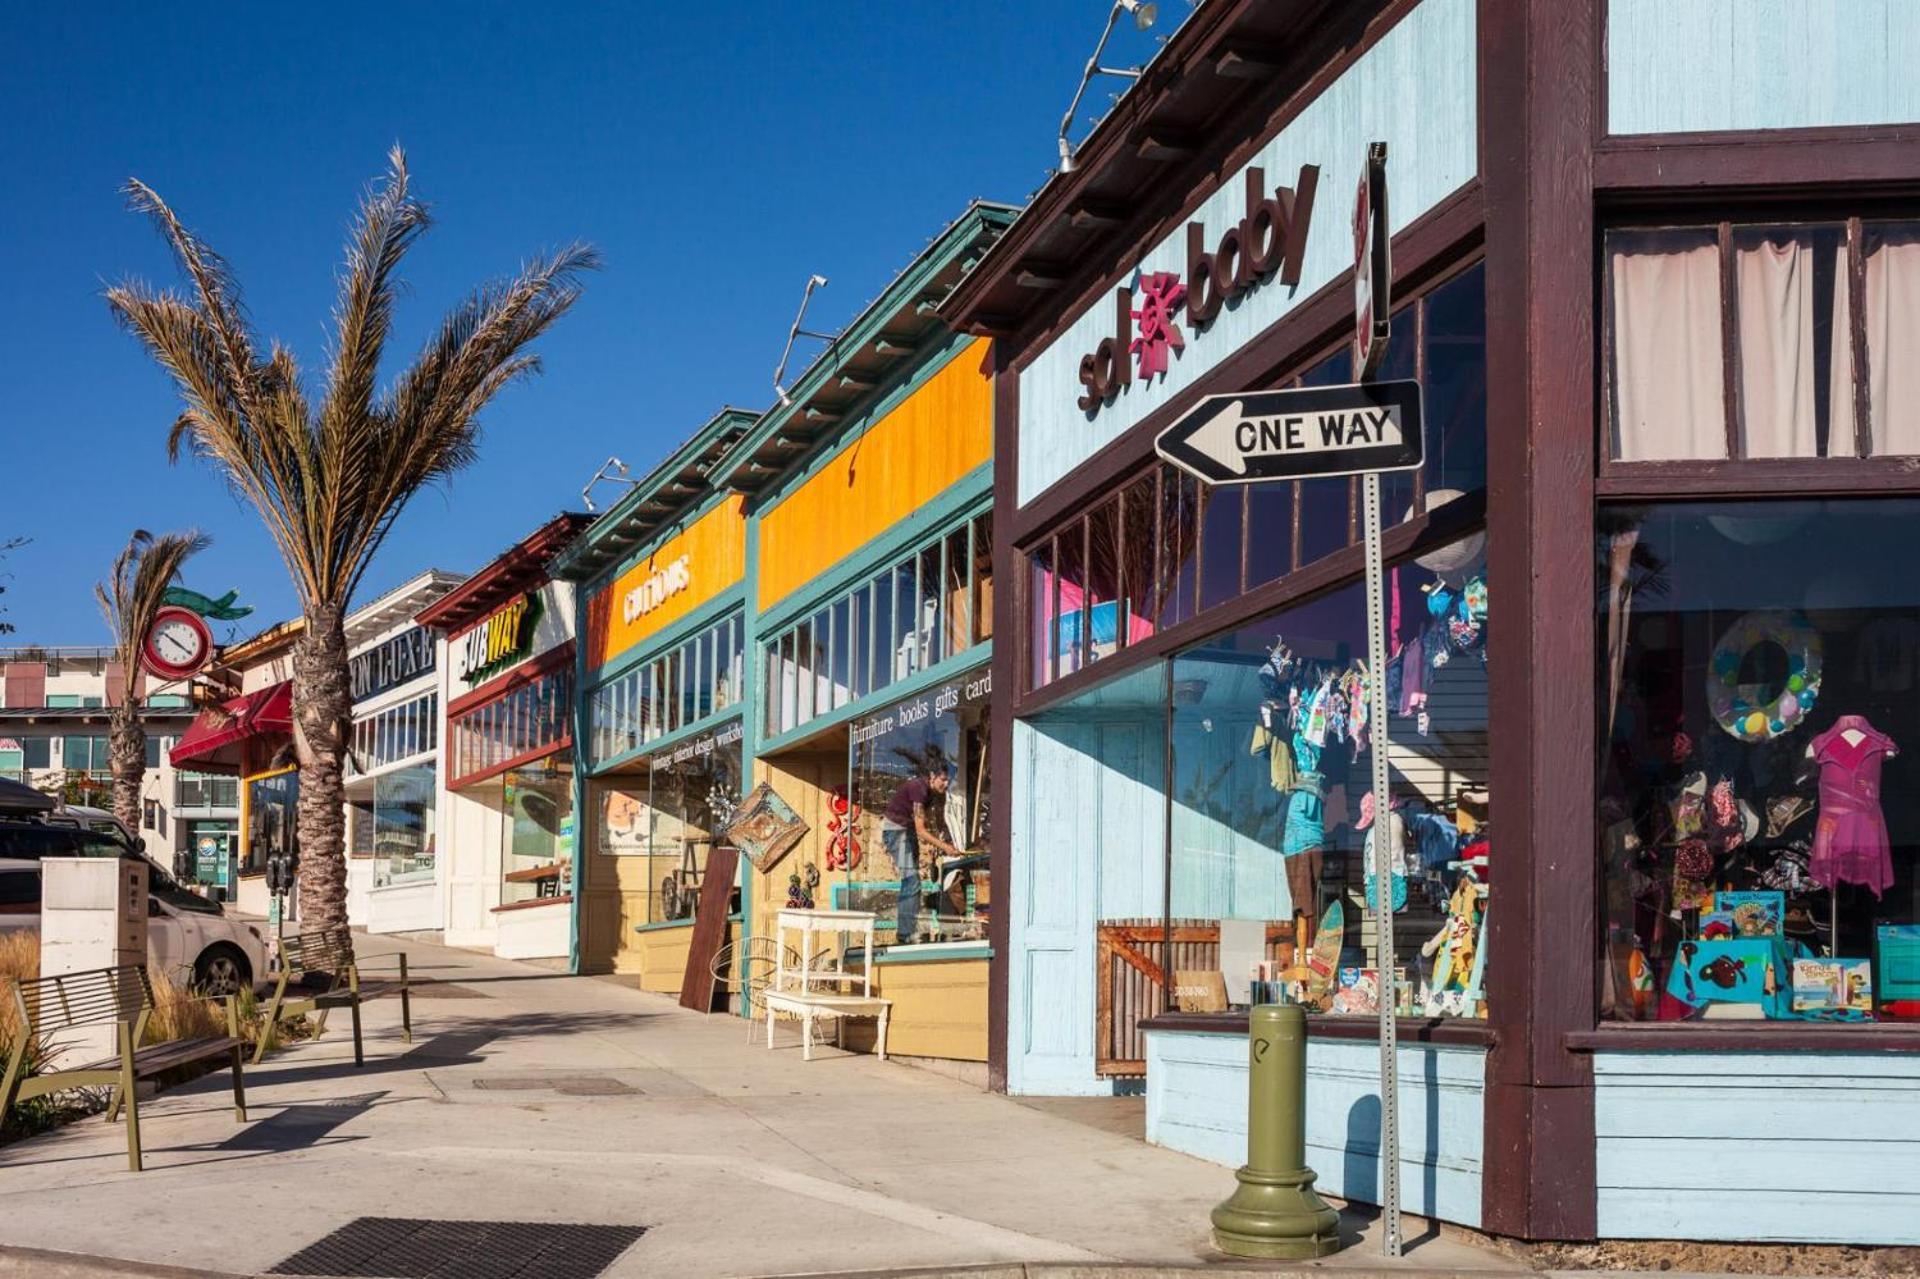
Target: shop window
{"points": [[917, 857], [1105, 590], [529, 721], [537, 853], [900, 641], [822, 662], [1222, 522], [1761, 341], [668, 811], [270, 819], [1070, 631], [1271, 758], [35, 751], [1269, 531], [981, 616], [1180, 527], [1759, 810], [402, 834], [840, 674], [1326, 506]]}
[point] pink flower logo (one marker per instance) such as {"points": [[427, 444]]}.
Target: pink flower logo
{"points": [[1160, 295]]}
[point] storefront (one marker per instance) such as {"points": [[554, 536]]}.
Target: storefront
{"points": [[506, 815], [664, 673], [393, 774], [1642, 669], [870, 629]]}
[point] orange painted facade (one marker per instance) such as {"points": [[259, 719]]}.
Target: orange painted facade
{"points": [[910, 456], [659, 590]]}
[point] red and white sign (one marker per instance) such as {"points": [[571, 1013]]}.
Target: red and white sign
{"points": [[1372, 265], [178, 645]]}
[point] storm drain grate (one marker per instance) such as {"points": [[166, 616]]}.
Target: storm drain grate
{"points": [[565, 1085], [407, 1248]]}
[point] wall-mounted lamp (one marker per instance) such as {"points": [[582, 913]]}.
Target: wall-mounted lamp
{"points": [[1144, 12], [780, 373]]}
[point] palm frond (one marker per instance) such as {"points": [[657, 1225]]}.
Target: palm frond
{"points": [[134, 591]]}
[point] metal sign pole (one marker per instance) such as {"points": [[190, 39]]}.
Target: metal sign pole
{"points": [[1383, 867]]}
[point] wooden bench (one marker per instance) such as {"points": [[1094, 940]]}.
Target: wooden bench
{"points": [[123, 998], [318, 973]]}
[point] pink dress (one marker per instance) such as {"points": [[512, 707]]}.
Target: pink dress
{"points": [[1850, 841]]}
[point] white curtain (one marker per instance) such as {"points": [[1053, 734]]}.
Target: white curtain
{"points": [[1893, 332], [1783, 314], [1668, 403]]}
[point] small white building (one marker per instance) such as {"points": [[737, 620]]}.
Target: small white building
{"points": [[395, 769]]}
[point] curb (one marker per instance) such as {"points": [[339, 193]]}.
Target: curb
{"points": [[43, 1263], [1121, 1270]]}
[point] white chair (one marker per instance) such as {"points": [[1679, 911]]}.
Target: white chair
{"points": [[809, 991]]}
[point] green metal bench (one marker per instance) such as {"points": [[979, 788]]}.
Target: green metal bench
{"points": [[121, 997], [318, 973]]}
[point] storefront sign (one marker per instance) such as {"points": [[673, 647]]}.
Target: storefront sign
{"points": [[697, 748], [1270, 240], [950, 698], [503, 639], [391, 663], [653, 591], [1250, 436]]}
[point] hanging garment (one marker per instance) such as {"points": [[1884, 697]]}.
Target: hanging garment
{"points": [[1306, 825], [1850, 840], [1313, 715], [1279, 757], [1413, 677]]}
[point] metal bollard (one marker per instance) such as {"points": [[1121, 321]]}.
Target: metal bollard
{"points": [[1274, 1213]]}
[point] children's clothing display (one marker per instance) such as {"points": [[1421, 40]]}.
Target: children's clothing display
{"points": [[1850, 840]]}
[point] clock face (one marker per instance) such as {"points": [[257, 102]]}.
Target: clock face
{"points": [[179, 643]]}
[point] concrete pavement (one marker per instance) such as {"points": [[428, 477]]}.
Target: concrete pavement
{"points": [[534, 1097]]}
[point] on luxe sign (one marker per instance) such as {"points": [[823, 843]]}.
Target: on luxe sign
{"points": [[1270, 241]]}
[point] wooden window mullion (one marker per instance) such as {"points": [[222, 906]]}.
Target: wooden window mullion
{"points": [[1857, 338], [1729, 343]]}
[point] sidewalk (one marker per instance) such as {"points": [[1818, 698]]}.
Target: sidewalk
{"points": [[533, 1097]]}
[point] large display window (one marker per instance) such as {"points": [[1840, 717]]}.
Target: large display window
{"points": [[1272, 818], [1759, 812], [271, 831], [537, 858], [909, 835], [670, 808], [521, 724], [401, 818]]}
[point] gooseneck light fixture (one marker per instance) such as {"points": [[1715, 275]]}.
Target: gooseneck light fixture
{"points": [[1144, 12], [780, 373]]}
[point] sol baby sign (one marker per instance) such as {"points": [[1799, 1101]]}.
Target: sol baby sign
{"points": [[1249, 436]]}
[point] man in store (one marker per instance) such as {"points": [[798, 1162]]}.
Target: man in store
{"points": [[911, 828]]}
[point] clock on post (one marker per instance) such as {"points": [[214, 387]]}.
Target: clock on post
{"points": [[178, 645]]}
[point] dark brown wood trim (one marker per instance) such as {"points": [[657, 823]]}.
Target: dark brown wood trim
{"points": [[1536, 67], [532, 903], [1013, 630], [1862, 363], [1329, 573], [1729, 343], [1770, 163], [1777, 1037], [1758, 477], [1437, 246], [1422, 1030]]}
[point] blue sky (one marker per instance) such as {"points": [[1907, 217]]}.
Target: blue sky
{"points": [[716, 153]]}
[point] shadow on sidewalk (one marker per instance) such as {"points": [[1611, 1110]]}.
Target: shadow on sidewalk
{"points": [[299, 1126]]}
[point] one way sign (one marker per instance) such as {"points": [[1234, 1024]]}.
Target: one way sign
{"points": [[1290, 435]]}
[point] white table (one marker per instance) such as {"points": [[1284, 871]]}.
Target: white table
{"points": [[809, 993]]}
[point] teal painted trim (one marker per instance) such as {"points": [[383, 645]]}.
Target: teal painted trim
{"points": [[753, 715], [673, 527], [580, 739], [966, 497], [890, 955], [665, 924], [581, 561], [904, 290], [679, 633], [882, 400], [669, 741], [980, 654]]}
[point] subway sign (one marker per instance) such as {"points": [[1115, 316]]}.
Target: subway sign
{"points": [[505, 639]]}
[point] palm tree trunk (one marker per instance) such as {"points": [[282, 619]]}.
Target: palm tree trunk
{"points": [[322, 708], [127, 747]]}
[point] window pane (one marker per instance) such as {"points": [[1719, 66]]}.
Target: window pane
{"points": [[900, 663], [1070, 632], [803, 659], [1666, 365], [880, 663], [842, 678], [1179, 543], [789, 685], [1454, 387], [1042, 606], [1220, 520], [929, 624], [1269, 531], [1402, 361], [1325, 513], [1759, 817], [1103, 580], [1891, 300], [982, 621], [822, 662], [955, 598], [1796, 369], [1269, 832], [859, 639]]}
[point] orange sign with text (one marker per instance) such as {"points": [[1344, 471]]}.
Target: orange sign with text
{"points": [[705, 559]]}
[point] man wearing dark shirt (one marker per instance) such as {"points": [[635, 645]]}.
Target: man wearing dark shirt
{"points": [[905, 832]]}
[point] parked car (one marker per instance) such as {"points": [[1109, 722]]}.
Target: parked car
{"points": [[97, 820], [189, 938]]}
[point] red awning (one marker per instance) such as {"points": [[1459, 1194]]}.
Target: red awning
{"points": [[215, 741]]}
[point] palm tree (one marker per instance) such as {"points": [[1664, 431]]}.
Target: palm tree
{"points": [[129, 598], [329, 477]]}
